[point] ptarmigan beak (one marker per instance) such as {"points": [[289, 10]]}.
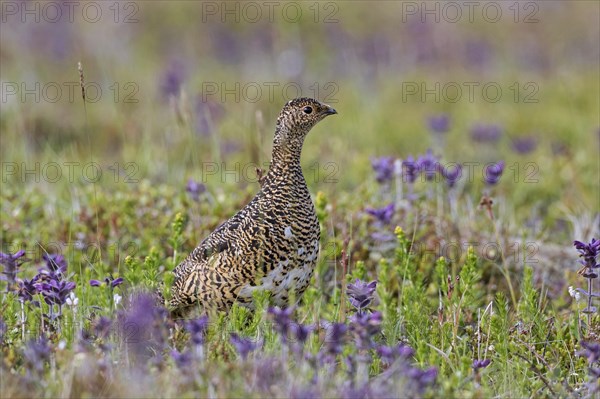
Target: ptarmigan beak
{"points": [[329, 111]]}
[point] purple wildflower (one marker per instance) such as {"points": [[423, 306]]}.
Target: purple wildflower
{"points": [[591, 351], [351, 391], [55, 263], [269, 372], [427, 164], [244, 346], [55, 292], [410, 170], [336, 334], [27, 290], [524, 145], [480, 364], [365, 326], [113, 282], [493, 172], [383, 215], [195, 189], [302, 332], [172, 80], [360, 293], [11, 265], [589, 252], [420, 380], [110, 281], [102, 327], [384, 168], [197, 329], [452, 175], [182, 359], [483, 133], [305, 393], [390, 353], [143, 327], [282, 320], [439, 123], [36, 354]]}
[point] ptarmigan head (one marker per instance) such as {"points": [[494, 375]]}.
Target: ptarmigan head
{"points": [[299, 115]]}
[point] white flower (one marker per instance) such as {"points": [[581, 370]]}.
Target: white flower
{"points": [[574, 294], [72, 300], [117, 298]]}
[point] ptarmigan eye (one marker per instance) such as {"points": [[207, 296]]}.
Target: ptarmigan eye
{"points": [[307, 110]]}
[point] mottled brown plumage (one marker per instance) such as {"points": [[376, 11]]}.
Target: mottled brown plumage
{"points": [[272, 243]]}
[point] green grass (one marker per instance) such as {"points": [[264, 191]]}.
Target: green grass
{"points": [[454, 284]]}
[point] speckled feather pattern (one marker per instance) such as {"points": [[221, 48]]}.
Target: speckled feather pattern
{"points": [[272, 243]]}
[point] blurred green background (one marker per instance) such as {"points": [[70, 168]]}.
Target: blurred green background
{"points": [[176, 86]]}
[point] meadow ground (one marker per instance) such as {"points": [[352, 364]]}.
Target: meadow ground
{"points": [[450, 188]]}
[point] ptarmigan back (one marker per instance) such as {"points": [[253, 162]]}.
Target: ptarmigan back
{"points": [[272, 243]]}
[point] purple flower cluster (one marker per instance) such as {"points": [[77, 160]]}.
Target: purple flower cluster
{"points": [[486, 133], [50, 281], [438, 123], [451, 174], [36, 354], [195, 189], [283, 321], [244, 346], [589, 253], [493, 172], [360, 294], [389, 354], [410, 169], [480, 364], [428, 165], [197, 329], [365, 327], [110, 281], [172, 79], [55, 292], [382, 215], [384, 168], [591, 351], [524, 145], [144, 329], [11, 264]]}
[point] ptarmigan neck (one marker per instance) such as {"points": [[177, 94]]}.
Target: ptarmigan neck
{"points": [[285, 162]]}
